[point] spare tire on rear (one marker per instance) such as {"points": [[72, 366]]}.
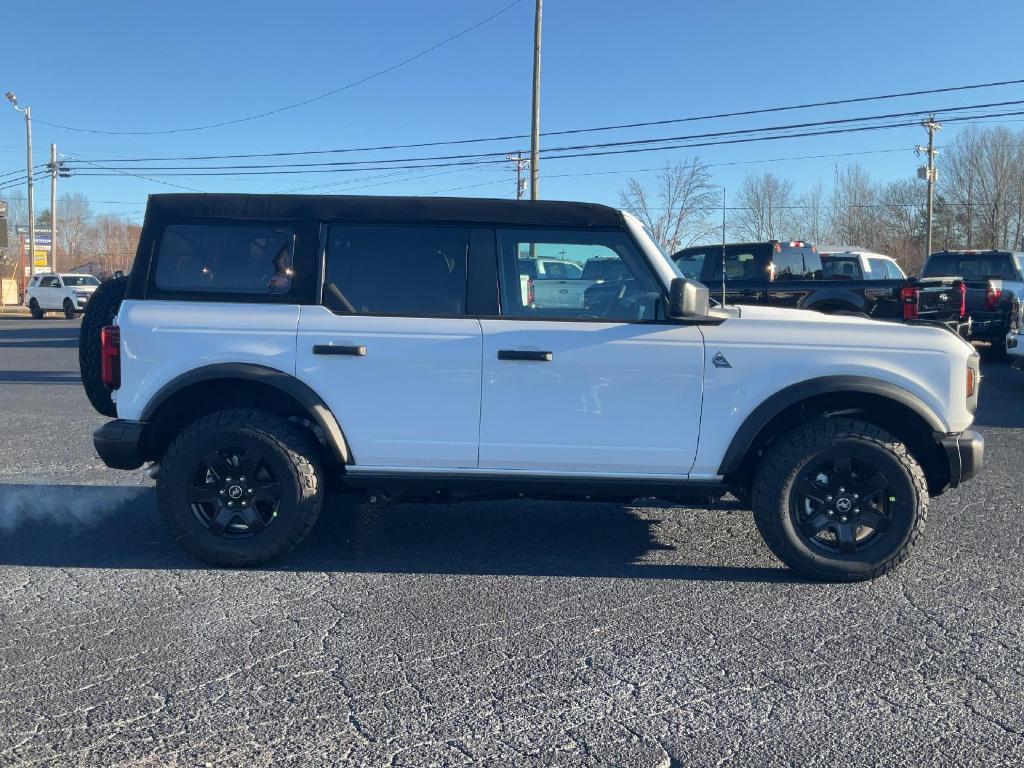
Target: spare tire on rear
{"points": [[99, 312]]}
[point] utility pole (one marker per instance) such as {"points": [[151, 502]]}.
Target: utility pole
{"points": [[53, 207], [535, 130], [930, 174], [31, 189], [521, 165]]}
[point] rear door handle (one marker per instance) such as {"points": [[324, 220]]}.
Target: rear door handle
{"points": [[525, 354], [331, 349]]}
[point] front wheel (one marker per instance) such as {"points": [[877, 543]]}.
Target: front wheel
{"points": [[240, 487], [840, 500]]}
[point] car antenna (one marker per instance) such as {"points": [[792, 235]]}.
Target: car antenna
{"points": [[723, 247]]}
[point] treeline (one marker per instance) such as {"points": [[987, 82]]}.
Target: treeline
{"points": [[979, 203], [101, 243]]}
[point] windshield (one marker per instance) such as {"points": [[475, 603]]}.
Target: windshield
{"points": [[77, 280]]}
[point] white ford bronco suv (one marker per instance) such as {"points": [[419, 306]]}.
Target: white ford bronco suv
{"points": [[268, 346], [52, 292]]}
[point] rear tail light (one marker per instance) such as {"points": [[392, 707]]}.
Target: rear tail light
{"points": [[963, 300], [529, 292], [909, 297], [110, 356], [992, 298]]}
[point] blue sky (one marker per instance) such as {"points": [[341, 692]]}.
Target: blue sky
{"points": [[150, 66]]}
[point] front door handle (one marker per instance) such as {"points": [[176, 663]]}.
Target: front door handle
{"points": [[525, 354], [331, 349]]}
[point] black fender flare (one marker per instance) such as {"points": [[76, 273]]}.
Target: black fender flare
{"points": [[759, 418], [318, 410]]}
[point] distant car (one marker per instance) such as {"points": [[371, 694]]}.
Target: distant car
{"points": [[860, 265], [52, 292]]}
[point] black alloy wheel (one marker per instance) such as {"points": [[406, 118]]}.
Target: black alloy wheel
{"points": [[842, 505], [235, 492]]}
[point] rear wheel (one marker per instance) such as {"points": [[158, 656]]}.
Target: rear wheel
{"points": [[35, 309], [840, 500], [99, 312], [69, 309], [240, 487]]}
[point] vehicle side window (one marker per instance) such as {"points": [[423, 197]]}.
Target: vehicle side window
{"points": [[796, 264], [212, 258], [894, 271], [691, 264], [740, 266], [879, 269], [380, 270], [49, 282], [606, 277], [561, 270]]}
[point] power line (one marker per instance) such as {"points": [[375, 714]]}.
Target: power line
{"points": [[297, 104], [420, 164], [421, 145], [567, 148]]}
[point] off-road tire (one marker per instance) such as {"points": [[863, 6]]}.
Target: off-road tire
{"points": [[782, 466], [35, 309], [69, 310], [99, 312], [298, 471]]}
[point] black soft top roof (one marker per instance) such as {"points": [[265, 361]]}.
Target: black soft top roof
{"points": [[373, 209]]}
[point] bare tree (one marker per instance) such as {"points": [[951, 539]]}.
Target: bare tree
{"points": [[854, 220], [900, 222], [764, 204], [810, 218], [73, 232], [677, 211]]}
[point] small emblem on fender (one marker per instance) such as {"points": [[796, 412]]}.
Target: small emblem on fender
{"points": [[719, 361]]}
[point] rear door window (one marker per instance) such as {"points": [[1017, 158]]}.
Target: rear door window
{"points": [[796, 264], [411, 271], [227, 259]]}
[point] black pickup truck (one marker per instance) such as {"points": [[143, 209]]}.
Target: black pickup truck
{"points": [[781, 274], [993, 281]]}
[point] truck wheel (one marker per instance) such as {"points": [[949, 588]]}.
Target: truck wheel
{"points": [[240, 487], [840, 500], [99, 312], [69, 309], [35, 309]]}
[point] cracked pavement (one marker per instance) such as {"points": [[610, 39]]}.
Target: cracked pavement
{"points": [[499, 634]]}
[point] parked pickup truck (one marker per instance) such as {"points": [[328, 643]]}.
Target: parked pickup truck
{"points": [[992, 280], [792, 275]]}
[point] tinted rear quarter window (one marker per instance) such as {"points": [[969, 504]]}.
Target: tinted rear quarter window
{"points": [[380, 270], [216, 258]]}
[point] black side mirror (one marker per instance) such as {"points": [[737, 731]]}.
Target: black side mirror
{"points": [[687, 298]]}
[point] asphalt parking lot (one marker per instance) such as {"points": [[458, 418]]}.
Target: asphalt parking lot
{"points": [[487, 634]]}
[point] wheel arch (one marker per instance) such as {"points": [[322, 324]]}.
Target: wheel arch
{"points": [[887, 405], [233, 385]]}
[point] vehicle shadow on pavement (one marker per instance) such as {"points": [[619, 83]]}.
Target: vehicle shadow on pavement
{"points": [[102, 527], [22, 337]]}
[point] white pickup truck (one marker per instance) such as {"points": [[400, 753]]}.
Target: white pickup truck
{"points": [[52, 292], [269, 346]]}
